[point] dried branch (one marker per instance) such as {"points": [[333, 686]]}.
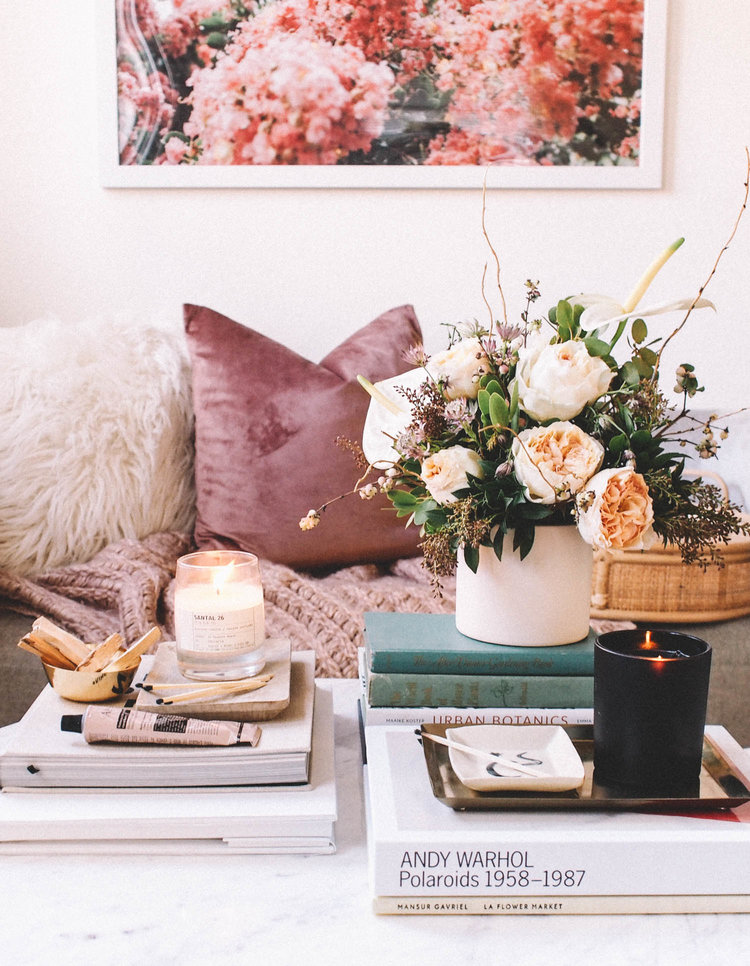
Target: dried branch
{"points": [[711, 274], [494, 253]]}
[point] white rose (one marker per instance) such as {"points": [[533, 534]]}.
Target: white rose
{"points": [[615, 511], [460, 368], [447, 471], [554, 462], [557, 381]]}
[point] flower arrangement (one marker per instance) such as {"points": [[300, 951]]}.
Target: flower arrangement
{"points": [[516, 426]]}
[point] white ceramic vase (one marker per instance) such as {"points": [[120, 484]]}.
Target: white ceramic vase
{"points": [[543, 600]]}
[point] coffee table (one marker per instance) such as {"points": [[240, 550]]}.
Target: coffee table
{"points": [[311, 910]]}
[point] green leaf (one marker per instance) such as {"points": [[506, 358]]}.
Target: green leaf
{"points": [[665, 459], [648, 355], [423, 511], [618, 444], [638, 331], [577, 313], [494, 386], [523, 539], [564, 313], [645, 371], [483, 400], [536, 511], [627, 420], [552, 315], [403, 499], [641, 439], [564, 320], [499, 411], [435, 518], [471, 556], [497, 543], [629, 373], [596, 347], [616, 337], [514, 406]]}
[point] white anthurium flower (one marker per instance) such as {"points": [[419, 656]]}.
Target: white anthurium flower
{"points": [[601, 310], [388, 415]]}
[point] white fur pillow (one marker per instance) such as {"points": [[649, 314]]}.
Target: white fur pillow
{"points": [[95, 439]]}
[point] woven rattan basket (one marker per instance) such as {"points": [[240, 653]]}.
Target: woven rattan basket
{"points": [[655, 585]]}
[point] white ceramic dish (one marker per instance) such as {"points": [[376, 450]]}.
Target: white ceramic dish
{"points": [[543, 757]]}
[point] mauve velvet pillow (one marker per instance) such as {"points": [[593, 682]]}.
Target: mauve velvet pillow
{"points": [[266, 422]]}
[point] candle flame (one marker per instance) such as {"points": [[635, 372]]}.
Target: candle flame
{"points": [[648, 644], [222, 576]]}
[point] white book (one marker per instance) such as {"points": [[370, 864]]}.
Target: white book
{"points": [[422, 850], [185, 820], [39, 754], [517, 905]]}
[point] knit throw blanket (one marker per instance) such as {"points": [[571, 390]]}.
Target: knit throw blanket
{"points": [[129, 587]]}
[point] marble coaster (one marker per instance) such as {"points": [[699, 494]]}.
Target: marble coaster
{"points": [[260, 705]]}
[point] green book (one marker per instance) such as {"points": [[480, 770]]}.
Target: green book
{"points": [[417, 690], [430, 644]]}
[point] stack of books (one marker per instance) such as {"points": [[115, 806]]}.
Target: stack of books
{"points": [[417, 668], [428, 858], [60, 793]]}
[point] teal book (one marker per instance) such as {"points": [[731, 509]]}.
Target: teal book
{"points": [[430, 644], [418, 690]]}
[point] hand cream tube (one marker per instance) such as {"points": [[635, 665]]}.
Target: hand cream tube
{"points": [[129, 725]]}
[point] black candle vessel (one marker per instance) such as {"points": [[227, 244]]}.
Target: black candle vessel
{"points": [[650, 695]]}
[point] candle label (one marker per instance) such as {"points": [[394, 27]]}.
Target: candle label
{"points": [[233, 632]]}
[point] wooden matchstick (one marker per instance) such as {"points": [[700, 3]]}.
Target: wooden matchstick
{"points": [[196, 685], [199, 694]]}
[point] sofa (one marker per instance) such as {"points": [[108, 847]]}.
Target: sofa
{"points": [[214, 435]]}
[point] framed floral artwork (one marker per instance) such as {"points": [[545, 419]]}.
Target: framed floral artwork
{"points": [[387, 93]]}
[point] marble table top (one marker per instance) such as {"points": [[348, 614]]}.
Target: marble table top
{"points": [[311, 910]]}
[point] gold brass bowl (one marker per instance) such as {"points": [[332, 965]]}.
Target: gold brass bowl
{"points": [[89, 686]]}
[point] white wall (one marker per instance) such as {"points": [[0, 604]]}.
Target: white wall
{"points": [[309, 266]]}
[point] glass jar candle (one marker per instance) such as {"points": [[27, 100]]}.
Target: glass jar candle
{"points": [[219, 616], [650, 696]]}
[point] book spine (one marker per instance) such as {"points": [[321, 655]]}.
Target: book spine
{"points": [[520, 905], [463, 716], [508, 865], [444, 660], [479, 691], [447, 662]]}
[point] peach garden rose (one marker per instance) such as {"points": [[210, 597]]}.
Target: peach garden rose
{"points": [[447, 471], [615, 511], [554, 462]]}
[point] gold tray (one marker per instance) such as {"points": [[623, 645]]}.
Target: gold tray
{"points": [[719, 785]]}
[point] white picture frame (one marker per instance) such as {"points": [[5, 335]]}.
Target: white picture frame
{"points": [[645, 174]]}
